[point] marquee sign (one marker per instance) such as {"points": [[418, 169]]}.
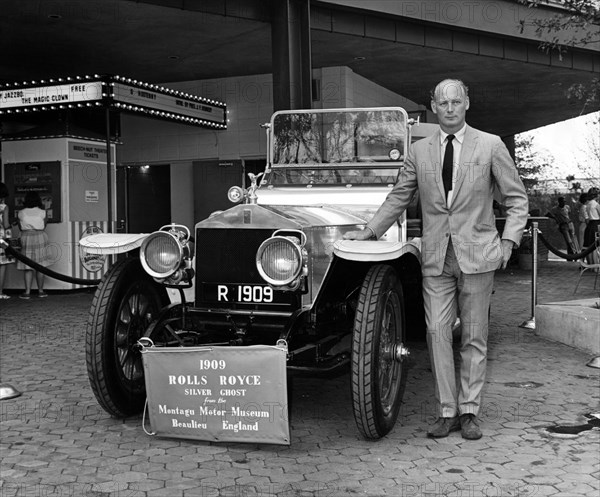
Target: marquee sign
{"points": [[115, 92], [50, 95]]}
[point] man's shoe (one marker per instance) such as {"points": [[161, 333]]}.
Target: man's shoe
{"points": [[443, 426], [469, 427]]}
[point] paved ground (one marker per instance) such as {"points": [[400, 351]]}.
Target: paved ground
{"points": [[56, 440]]}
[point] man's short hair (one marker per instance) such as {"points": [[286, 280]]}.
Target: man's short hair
{"points": [[464, 87]]}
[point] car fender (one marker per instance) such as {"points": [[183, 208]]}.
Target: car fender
{"points": [[376, 250], [119, 243], [112, 243]]}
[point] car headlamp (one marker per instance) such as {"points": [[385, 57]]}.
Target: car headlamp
{"points": [[161, 254], [280, 260]]}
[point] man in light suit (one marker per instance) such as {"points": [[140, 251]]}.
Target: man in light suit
{"points": [[461, 247]]}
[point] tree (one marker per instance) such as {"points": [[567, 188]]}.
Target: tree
{"points": [[528, 163], [580, 19]]}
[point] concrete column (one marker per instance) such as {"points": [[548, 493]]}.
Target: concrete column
{"points": [[291, 55]]}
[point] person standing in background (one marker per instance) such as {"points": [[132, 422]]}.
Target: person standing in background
{"points": [[582, 217], [561, 213], [4, 233], [593, 211], [34, 241]]}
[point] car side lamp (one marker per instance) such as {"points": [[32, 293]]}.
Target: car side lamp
{"points": [[236, 193]]}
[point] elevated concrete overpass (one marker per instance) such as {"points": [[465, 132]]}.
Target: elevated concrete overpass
{"points": [[405, 46]]}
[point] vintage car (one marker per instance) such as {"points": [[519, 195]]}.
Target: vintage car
{"points": [[275, 267]]}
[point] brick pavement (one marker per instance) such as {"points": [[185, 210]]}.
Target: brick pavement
{"points": [[57, 441]]}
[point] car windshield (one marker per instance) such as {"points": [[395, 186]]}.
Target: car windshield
{"points": [[341, 147]]}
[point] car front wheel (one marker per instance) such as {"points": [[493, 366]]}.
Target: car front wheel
{"points": [[377, 366], [125, 303]]}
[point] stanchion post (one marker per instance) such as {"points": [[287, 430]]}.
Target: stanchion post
{"points": [[530, 323]]}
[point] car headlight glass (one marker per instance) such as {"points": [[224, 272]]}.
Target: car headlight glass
{"points": [[161, 254], [279, 260]]}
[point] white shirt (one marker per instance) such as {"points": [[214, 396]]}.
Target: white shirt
{"points": [[459, 137], [32, 218], [593, 209]]}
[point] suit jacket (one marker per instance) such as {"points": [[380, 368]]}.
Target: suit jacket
{"points": [[484, 165]]}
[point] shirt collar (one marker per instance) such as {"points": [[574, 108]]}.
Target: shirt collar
{"points": [[458, 136]]}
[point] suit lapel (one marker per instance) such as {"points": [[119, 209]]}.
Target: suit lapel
{"points": [[465, 162], [436, 162]]}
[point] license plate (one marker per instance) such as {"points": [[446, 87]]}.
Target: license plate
{"points": [[243, 294]]}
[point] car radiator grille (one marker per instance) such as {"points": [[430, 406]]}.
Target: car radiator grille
{"points": [[228, 255], [225, 263]]}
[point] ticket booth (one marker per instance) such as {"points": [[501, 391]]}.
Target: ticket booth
{"points": [[74, 168], [71, 176]]}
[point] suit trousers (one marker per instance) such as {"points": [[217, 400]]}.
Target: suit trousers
{"points": [[445, 296]]}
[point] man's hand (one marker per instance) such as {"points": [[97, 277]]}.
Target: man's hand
{"points": [[365, 234], [507, 247]]}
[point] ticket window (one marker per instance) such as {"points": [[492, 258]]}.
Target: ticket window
{"points": [[41, 177]]}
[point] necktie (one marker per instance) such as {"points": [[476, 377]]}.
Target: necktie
{"points": [[447, 165]]}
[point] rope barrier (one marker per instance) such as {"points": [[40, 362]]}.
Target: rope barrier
{"points": [[563, 255], [48, 272]]}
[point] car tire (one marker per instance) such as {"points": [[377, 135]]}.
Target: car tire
{"points": [[377, 377], [125, 303]]}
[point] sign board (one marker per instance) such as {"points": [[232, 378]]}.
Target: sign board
{"points": [[166, 103], [115, 92], [94, 152], [51, 95], [92, 196], [91, 262], [218, 394]]}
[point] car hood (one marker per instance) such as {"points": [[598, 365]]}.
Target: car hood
{"points": [[255, 216]]}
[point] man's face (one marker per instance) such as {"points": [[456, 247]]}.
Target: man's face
{"points": [[450, 105]]}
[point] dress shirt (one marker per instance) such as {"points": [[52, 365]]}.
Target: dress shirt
{"points": [[459, 137]]}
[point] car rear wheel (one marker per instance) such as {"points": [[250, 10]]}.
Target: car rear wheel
{"points": [[124, 304], [378, 336]]}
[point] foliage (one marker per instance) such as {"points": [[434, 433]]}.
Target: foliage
{"points": [[527, 162], [588, 94], [592, 171], [573, 185], [577, 17], [580, 19]]}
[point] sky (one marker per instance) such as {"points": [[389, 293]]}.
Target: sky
{"points": [[570, 143]]}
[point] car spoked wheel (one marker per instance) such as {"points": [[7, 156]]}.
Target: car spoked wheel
{"points": [[378, 353], [133, 318], [124, 304]]}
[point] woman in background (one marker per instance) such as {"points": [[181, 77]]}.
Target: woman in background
{"points": [[34, 241], [4, 233]]}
